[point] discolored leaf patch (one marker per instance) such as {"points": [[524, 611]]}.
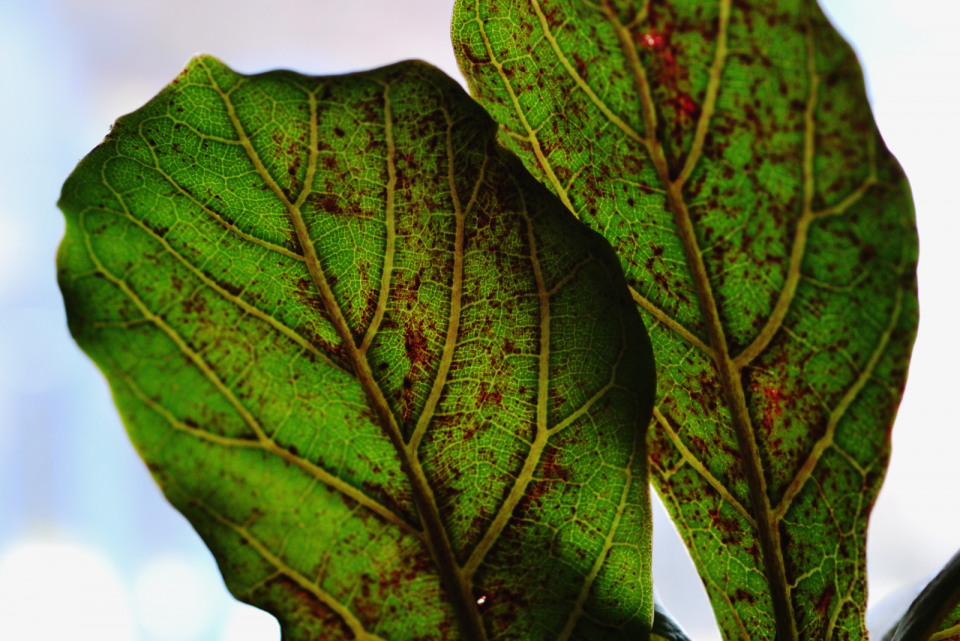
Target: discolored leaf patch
{"points": [[727, 151], [396, 387]]}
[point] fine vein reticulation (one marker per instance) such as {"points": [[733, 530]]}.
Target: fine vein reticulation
{"points": [[398, 389], [727, 151]]}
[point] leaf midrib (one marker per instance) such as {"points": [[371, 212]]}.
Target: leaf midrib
{"points": [[437, 540], [728, 367], [729, 373], [263, 438], [263, 441]]}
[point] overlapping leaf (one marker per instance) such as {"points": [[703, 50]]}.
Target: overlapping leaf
{"points": [[935, 614], [727, 151], [949, 630], [396, 387]]}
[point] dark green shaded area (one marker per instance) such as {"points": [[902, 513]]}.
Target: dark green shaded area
{"points": [[395, 386], [728, 152], [949, 630], [664, 627], [935, 614]]}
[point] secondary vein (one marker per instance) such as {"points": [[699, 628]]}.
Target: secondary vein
{"points": [[532, 459], [262, 441], [233, 298], [436, 535], [531, 133], [351, 621], [391, 227], [601, 558], [767, 531], [671, 323], [456, 289], [701, 469], [806, 471], [231, 227], [789, 290]]}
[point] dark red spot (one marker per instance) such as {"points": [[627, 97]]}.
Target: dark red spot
{"points": [[491, 395]]}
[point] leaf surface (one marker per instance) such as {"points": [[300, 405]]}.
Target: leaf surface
{"points": [[935, 614], [949, 630], [396, 387], [664, 627], [728, 153]]}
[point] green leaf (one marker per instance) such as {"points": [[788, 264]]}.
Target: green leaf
{"points": [[664, 627], [935, 614], [949, 630], [395, 386], [728, 153]]}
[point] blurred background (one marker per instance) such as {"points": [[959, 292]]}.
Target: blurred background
{"points": [[89, 549]]}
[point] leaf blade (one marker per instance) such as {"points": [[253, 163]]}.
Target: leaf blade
{"points": [[935, 614], [729, 155], [291, 284]]}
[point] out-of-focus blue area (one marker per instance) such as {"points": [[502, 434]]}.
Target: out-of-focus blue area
{"points": [[88, 546], [80, 519]]}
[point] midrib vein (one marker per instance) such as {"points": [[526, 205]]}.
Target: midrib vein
{"points": [[768, 533], [437, 540], [729, 374], [534, 141]]}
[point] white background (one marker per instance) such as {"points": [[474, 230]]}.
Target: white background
{"points": [[89, 548]]}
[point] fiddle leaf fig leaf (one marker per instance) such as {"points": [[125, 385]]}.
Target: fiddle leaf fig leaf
{"points": [[949, 630], [395, 386], [935, 614], [728, 153], [664, 626]]}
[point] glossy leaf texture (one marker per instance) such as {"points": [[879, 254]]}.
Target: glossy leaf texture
{"points": [[395, 386], [728, 152]]}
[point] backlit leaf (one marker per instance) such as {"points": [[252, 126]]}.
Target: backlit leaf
{"points": [[727, 151], [396, 387]]}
